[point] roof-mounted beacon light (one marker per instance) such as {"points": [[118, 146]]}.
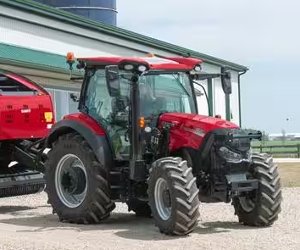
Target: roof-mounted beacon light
{"points": [[70, 59], [150, 55]]}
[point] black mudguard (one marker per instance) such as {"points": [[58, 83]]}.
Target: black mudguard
{"points": [[99, 144]]}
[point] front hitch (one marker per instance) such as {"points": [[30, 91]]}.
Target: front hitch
{"points": [[238, 183]]}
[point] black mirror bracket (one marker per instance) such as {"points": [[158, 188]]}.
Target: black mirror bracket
{"points": [[226, 80], [113, 80]]}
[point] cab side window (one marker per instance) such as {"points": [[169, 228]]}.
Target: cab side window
{"points": [[98, 100]]}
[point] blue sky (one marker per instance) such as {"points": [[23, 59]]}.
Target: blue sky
{"points": [[260, 34]]}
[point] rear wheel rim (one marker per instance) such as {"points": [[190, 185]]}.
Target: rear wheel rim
{"points": [[162, 198], [71, 181]]}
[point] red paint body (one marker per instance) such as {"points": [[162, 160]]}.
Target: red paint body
{"points": [[166, 63], [87, 121], [28, 83], [180, 137], [23, 116], [181, 134]]}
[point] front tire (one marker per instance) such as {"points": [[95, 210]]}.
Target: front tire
{"points": [[76, 182], [262, 206], [173, 196]]}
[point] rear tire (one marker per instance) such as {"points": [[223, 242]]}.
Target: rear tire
{"points": [[263, 209], [95, 205], [175, 209]]}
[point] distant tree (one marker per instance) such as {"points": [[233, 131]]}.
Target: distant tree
{"points": [[265, 137], [283, 137]]}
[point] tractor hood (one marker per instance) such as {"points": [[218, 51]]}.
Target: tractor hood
{"points": [[202, 122], [190, 129]]}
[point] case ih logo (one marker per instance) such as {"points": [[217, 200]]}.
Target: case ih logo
{"points": [[196, 131], [24, 111]]}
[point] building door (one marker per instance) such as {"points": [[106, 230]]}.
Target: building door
{"points": [[63, 103]]}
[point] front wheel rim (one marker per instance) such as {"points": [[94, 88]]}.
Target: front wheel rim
{"points": [[71, 181], [162, 198], [247, 203]]}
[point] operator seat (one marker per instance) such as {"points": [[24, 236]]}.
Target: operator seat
{"points": [[119, 104]]}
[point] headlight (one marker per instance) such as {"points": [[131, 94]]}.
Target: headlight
{"points": [[230, 156]]}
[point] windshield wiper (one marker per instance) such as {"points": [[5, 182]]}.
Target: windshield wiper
{"points": [[181, 85]]}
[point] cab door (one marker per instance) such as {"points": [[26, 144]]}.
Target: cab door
{"points": [[98, 104]]}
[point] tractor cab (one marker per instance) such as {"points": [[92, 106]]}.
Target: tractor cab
{"points": [[128, 95]]}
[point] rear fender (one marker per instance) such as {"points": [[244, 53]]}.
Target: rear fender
{"points": [[95, 137]]}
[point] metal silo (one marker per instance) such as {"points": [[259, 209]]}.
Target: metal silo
{"points": [[98, 10]]}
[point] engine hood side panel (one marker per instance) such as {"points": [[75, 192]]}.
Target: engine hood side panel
{"points": [[189, 129]]}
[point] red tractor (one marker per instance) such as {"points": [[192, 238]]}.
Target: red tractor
{"points": [[138, 139]]}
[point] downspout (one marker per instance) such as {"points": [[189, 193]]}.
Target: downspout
{"points": [[210, 97], [239, 96]]}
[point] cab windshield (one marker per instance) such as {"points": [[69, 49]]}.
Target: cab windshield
{"points": [[159, 93], [164, 92]]}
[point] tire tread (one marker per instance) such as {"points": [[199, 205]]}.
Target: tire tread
{"points": [[186, 215], [269, 200], [101, 205]]}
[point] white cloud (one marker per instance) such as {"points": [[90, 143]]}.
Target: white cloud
{"points": [[245, 31]]}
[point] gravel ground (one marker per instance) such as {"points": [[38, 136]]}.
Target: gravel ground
{"points": [[27, 223]]}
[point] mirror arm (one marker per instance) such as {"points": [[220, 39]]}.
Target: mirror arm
{"points": [[204, 76], [112, 80], [206, 95]]}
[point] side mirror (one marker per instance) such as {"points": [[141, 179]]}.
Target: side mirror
{"points": [[113, 80], [226, 81], [74, 97]]}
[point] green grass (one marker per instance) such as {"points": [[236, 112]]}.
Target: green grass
{"points": [[290, 174]]}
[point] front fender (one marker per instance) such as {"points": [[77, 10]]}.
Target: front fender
{"points": [[92, 132]]}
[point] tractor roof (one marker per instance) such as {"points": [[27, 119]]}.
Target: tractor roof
{"points": [[155, 63]]}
